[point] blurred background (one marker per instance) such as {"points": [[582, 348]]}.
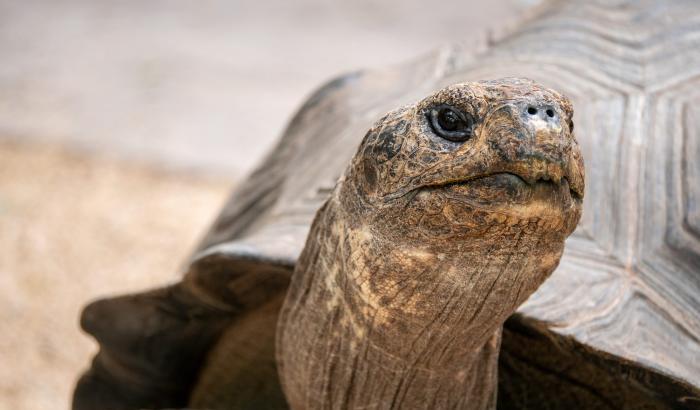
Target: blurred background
{"points": [[124, 124]]}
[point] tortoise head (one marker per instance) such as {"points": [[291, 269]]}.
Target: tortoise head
{"points": [[471, 156], [471, 191]]}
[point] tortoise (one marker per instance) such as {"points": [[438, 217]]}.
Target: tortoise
{"points": [[617, 325], [451, 213]]}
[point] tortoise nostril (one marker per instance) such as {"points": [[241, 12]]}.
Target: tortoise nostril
{"points": [[531, 110], [550, 113]]}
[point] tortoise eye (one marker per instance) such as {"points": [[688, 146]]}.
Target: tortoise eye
{"points": [[450, 123]]}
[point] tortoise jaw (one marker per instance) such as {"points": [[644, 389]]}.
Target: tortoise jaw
{"points": [[557, 183], [506, 187], [533, 174], [574, 191]]}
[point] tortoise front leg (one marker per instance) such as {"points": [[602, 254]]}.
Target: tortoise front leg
{"points": [[154, 345], [151, 347]]}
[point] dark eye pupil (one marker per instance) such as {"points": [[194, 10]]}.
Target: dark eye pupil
{"points": [[449, 120], [450, 123]]}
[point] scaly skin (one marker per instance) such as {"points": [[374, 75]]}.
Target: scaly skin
{"points": [[424, 249]]}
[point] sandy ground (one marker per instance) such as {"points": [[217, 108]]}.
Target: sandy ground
{"points": [[123, 125], [72, 227]]}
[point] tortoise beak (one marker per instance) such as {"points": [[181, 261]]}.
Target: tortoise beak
{"points": [[545, 150]]}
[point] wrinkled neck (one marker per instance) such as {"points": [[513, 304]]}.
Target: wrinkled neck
{"points": [[371, 323]]}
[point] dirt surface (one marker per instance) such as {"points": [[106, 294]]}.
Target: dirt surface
{"points": [[72, 228]]}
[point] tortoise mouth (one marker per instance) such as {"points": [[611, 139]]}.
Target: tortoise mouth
{"points": [[544, 183], [508, 187]]}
